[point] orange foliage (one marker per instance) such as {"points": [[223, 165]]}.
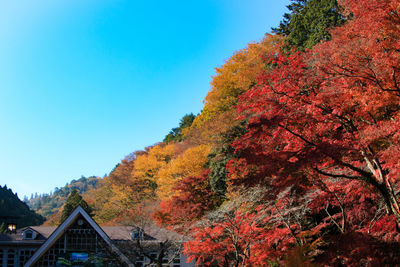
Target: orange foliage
{"points": [[120, 192], [190, 163], [237, 75], [148, 165]]}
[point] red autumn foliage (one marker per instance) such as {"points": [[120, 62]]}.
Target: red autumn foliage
{"points": [[194, 197], [323, 127], [238, 239], [329, 113], [323, 142]]}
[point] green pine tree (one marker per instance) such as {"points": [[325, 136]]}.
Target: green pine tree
{"points": [[175, 135], [73, 201], [309, 21], [221, 154]]}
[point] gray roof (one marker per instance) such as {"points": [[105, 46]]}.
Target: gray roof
{"points": [[45, 231], [152, 232], [17, 236], [121, 233]]}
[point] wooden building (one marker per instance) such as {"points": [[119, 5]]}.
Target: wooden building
{"points": [[80, 241]]}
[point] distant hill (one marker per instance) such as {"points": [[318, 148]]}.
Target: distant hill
{"points": [[13, 210], [48, 204]]}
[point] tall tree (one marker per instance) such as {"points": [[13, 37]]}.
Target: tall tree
{"points": [[73, 201], [309, 22], [330, 115], [49, 204], [238, 74], [223, 152]]}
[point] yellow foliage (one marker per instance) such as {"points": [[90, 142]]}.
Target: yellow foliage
{"points": [[114, 200], [147, 165], [208, 132], [102, 200], [119, 192], [190, 162], [237, 75]]}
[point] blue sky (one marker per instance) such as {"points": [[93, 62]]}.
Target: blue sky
{"points": [[84, 83]]}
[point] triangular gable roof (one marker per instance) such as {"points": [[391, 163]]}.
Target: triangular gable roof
{"points": [[61, 229]]}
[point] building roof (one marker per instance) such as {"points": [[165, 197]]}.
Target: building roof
{"points": [[151, 232], [44, 231], [117, 233], [17, 236], [58, 232]]}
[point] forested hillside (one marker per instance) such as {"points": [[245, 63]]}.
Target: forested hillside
{"points": [[48, 204], [295, 157], [13, 210]]}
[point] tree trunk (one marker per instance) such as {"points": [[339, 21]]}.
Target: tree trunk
{"points": [[392, 203]]}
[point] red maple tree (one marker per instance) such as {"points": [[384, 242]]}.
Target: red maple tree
{"points": [[193, 198]]}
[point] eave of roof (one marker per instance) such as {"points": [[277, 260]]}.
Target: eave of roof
{"points": [[22, 242]]}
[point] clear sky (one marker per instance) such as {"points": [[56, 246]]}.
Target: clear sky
{"points": [[83, 83]]}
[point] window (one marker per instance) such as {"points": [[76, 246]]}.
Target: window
{"points": [[177, 262], [24, 256], [140, 261], [10, 258], [137, 234], [28, 234]]}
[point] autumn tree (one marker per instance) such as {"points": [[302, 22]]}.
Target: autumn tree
{"points": [[120, 191], [240, 233], [226, 242], [147, 166], [193, 198], [238, 74], [321, 138], [336, 120], [190, 163], [150, 244], [365, 66]]}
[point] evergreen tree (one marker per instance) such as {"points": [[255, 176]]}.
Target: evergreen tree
{"points": [[220, 155], [12, 208], [48, 204], [309, 21], [176, 133], [73, 201]]}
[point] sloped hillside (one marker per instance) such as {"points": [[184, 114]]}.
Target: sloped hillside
{"points": [[47, 204], [13, 210], [294, 159]]}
